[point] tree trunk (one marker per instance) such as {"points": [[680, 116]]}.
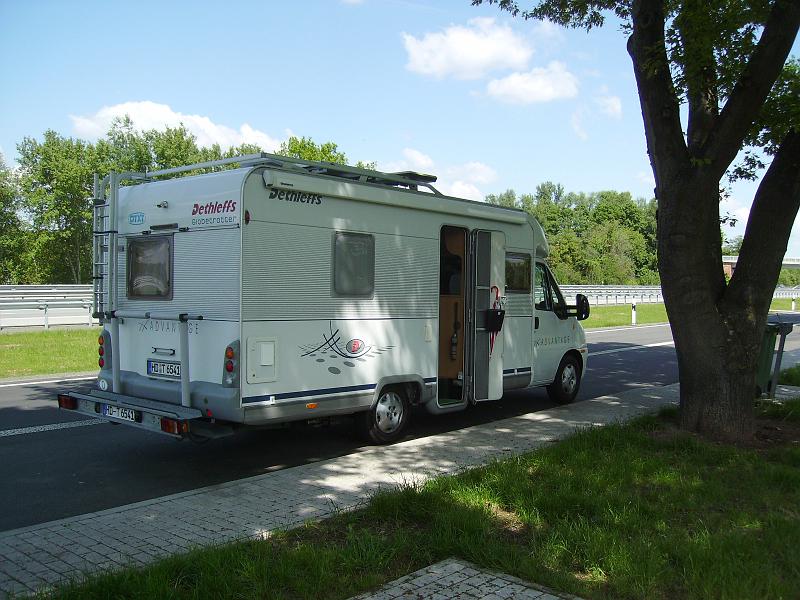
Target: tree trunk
{"points": [[717, 327], [717, 349]]}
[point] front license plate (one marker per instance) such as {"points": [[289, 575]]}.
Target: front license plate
{"points": [[118, 412], [160, 368]]}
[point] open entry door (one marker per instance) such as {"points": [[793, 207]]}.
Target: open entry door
{"points": [[488, 284]]}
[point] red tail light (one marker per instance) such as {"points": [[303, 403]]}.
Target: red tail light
{"points": [[67, 402], [174, 427], [101, 351], [101, 363], [229, 366]]}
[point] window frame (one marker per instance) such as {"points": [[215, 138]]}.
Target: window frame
{"points": [[545, 286], [334, 291], [145, 239], [523, 256]]}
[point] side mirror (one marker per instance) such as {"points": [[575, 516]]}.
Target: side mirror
{"points": [[582, 307]]}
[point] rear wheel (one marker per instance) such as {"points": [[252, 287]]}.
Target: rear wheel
{"points": [[567, 382], [386, 421]]}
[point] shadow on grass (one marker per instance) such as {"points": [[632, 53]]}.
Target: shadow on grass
{"points": [[617, 512]]}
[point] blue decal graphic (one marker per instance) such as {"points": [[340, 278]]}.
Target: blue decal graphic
{"points": [[136, 218]]}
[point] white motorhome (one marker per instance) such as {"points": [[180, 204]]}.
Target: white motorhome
{"points": [[282, 290]]}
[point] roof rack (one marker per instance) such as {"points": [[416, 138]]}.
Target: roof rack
{"points": [[406, 179]]}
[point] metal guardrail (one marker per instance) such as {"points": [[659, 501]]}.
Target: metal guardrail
{"points": [[47, 305], [614, 294]]}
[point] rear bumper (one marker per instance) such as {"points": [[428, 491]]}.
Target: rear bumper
{"points": [[150, 415]]}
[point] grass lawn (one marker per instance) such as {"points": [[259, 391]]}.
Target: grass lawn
{"points": [[616, 315], [634, 511], [50, 351]]}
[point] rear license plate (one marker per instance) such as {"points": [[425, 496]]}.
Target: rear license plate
{"points": [[160, 368], [118, 412]]}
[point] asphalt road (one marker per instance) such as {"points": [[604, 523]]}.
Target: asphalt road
{"points": [[56, 465]]}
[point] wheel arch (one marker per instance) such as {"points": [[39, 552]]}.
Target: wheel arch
{"points": [[414, 386]]}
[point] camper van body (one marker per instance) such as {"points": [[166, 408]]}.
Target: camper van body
{"points": [[288, 290]]}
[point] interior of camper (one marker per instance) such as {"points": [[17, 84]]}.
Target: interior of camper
{"points": [[452, 330]]}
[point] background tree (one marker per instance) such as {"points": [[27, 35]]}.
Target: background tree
{"points": [[604, 237], [721, 59], [12, 234], [51, 243]]}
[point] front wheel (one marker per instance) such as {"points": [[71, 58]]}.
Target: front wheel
{"points": [[567, 382], [385, 422]]}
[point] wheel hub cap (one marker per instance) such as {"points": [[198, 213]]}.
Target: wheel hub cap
{"points": [[569, 379], [389, 412]]}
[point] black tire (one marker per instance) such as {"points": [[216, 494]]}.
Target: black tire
{"points": [[385, 422], [567, 382]]}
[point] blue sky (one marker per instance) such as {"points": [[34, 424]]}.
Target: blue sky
{"points": [[484, 101]]}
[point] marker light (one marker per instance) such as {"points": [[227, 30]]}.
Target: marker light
{"points": [[174, 427], [100, 340], [311, 405], [246, 217]]}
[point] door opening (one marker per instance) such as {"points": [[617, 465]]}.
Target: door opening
{"points": [[452, 310]]}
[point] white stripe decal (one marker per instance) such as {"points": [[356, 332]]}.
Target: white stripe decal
{"points": [[24, 383], [630, 348], [51, 427]]}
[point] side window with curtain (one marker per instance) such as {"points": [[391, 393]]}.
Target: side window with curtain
{"points": [[541, 290], [353, 264]]}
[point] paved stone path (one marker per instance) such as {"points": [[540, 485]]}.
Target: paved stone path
{"points": [[454, 579], [33, 557]]}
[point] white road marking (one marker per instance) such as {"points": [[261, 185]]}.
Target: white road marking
{"points": [[51, 427], [24, 383], [630, 348]]}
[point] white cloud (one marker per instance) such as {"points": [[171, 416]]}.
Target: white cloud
{"points": [[467, 52], [472, 172], [413, 160], [461, 189], [548, 32], [152, 115], [541, 84], [460, 180], [646, 178], [576, 120], [417, 159], [610, 105]]}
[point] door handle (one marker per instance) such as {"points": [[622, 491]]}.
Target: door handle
{"points": [[536, 323]]}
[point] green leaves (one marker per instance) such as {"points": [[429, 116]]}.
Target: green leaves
{"points": [[605, 237]]}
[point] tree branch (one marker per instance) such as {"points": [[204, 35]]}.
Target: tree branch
{"points": [[700, 74], [752, 89], [660, 109], [766, 237]]}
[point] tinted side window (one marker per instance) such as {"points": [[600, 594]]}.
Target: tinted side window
{"points": [[556, 299], [353, 264], [518, 273], [541, 290]]}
